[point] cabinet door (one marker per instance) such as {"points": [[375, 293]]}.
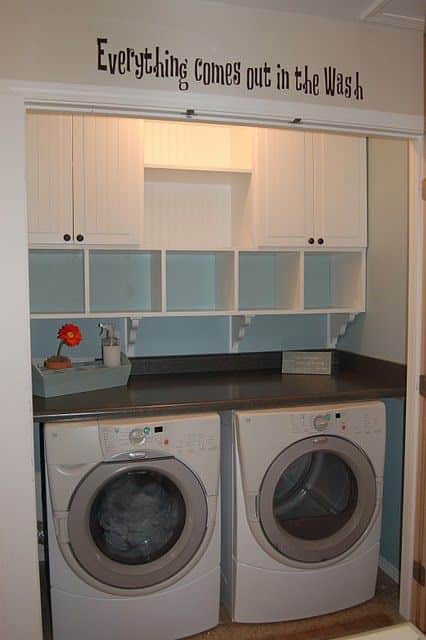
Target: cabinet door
{"points": [[283, 177], [49, 178], [108, 179], [340, 193]]}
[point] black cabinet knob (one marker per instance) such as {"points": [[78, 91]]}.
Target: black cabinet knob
{"points": [[320, 240], [80, 238], [311, 241], [67, 237]]}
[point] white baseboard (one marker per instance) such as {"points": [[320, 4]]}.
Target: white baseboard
{"points": [[389, 569]]}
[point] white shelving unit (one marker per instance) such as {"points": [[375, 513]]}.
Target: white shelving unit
{"points": [[161, 282]]}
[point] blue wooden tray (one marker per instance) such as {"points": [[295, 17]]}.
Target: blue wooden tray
{"points": [[83, 376]]}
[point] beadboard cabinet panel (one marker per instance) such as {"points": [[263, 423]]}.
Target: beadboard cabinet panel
{"points": [[197, 146], [340, 192], [187, 209], [108, 179], [49, 178], [283, 175]]}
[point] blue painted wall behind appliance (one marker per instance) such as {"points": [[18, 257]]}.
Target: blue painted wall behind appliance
{"points": [[390, 544]]}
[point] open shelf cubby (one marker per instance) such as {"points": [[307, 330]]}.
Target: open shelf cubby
{"points": [[200, 280], [128, 281], [56, 281], [334, 280], [269, 280]]}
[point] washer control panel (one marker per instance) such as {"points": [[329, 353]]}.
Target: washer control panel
{"points": [[137, 440]]}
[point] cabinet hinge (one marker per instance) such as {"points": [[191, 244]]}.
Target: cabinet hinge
{"points": [[419, 573], [424, 189]]}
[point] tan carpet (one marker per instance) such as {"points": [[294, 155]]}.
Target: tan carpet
{"points": [[381, 611]]}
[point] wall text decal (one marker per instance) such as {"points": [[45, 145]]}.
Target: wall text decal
{"points": [[161, 63]]}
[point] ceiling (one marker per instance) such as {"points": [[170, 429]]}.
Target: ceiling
{"points": [[408, 14]]}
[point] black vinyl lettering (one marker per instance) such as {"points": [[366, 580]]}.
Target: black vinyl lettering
{"points": [[101, 52]]}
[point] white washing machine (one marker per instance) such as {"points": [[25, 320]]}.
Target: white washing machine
{"points": [[302, 502], [134, 527]]}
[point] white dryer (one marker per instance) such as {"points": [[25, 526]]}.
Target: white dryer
{"points": [[133, 527], [302, 502]]}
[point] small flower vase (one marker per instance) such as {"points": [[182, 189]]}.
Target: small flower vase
{"points": [[57, 362], [71, 336]]}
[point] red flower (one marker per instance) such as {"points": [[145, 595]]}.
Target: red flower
{"points": [[70, 335]]}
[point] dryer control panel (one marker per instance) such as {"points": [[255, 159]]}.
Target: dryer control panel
{"points": [[338, 422]]}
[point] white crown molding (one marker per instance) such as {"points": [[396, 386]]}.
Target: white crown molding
{"points": [[212, 108]]}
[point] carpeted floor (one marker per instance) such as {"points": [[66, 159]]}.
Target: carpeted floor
{"points": [[381, 611]]}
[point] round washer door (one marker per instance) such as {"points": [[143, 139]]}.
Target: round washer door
{"points": [[134, 524], [317, 499]]}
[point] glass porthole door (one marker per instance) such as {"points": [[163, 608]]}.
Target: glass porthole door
{"points": [[133, 525], [317, 498]]}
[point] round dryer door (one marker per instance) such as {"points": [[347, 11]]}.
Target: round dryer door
{"points": [[134, 524], [317, 499]]}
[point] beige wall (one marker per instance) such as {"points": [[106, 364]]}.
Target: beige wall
{"points": [[381, 332], [55, 40]]}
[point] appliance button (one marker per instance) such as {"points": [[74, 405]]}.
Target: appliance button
{"points": [[320, 423], [137, 436]]}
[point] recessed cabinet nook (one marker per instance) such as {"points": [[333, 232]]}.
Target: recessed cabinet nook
{"points": [[131, 217]]}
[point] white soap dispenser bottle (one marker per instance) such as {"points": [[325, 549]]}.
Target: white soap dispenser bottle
{"points": [[110, 346]]}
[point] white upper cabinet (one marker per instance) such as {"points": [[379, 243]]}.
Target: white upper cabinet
{"points": [[49, 178], [85, 179], [310, 190], [108, 179], [340, 191], [283, 187]]}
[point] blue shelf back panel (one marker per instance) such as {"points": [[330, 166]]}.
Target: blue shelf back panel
{"points": [[120, 281], [257, 281], [191, 281], [56, 281], [182, 336], [318, 293], [276, 333]]}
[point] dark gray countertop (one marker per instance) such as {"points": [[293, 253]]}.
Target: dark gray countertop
{"points": [[359, 378]]}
